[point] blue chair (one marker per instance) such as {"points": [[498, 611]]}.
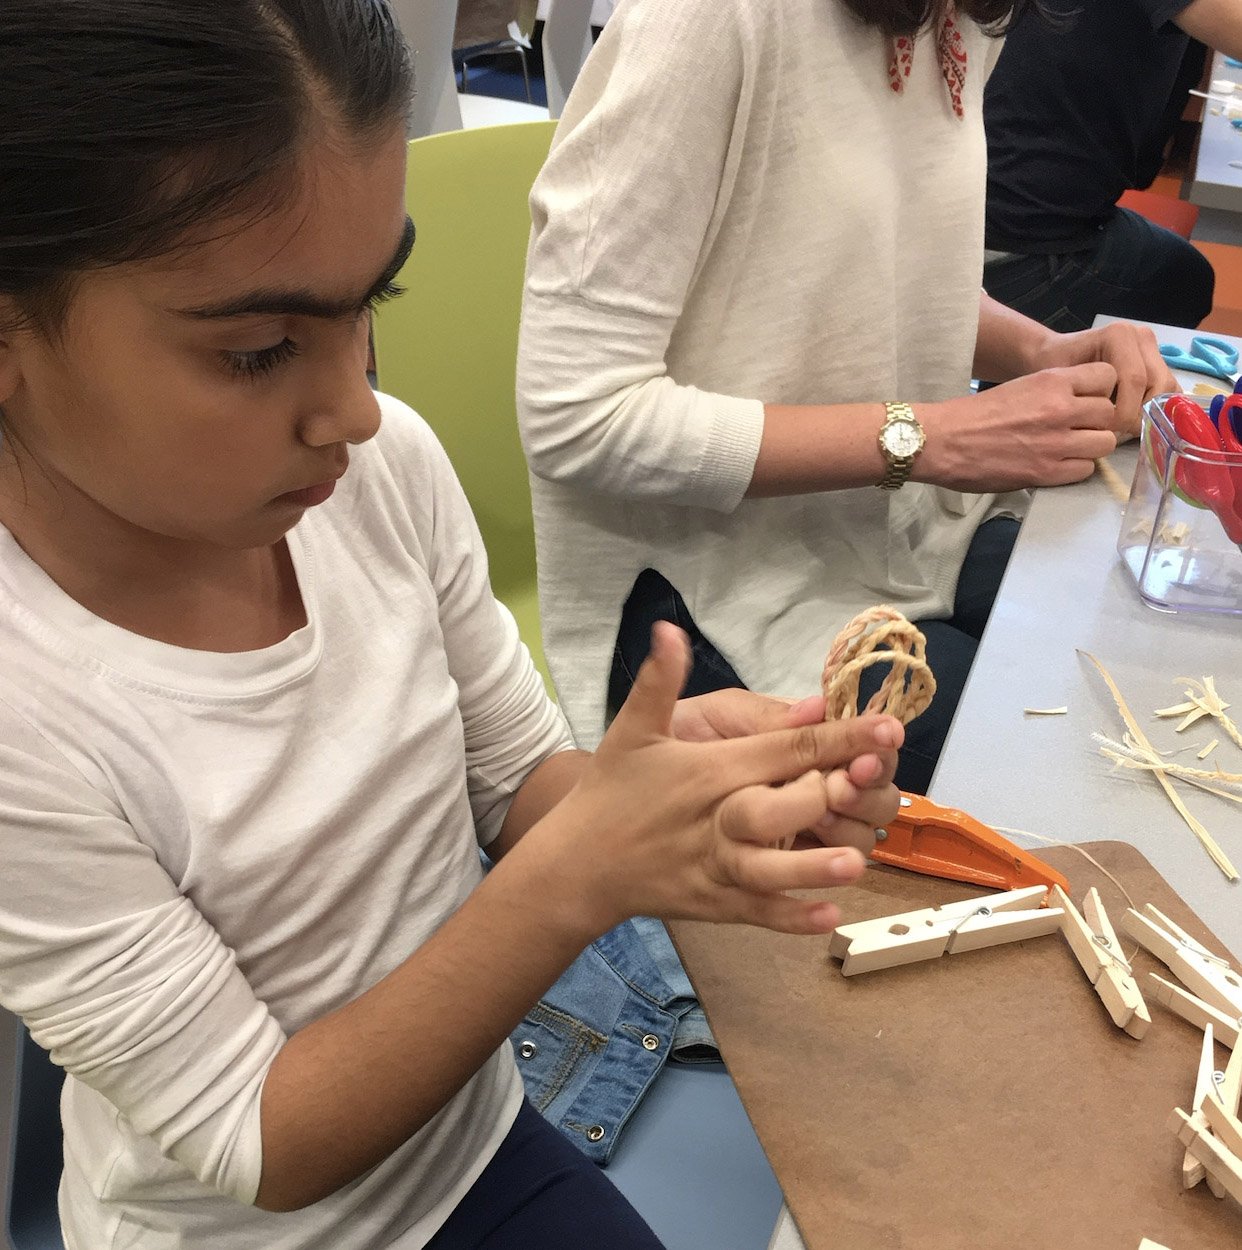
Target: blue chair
{"points": [[30, 1141]]}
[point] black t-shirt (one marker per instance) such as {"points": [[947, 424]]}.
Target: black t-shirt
{"points": [[1079, 112]]}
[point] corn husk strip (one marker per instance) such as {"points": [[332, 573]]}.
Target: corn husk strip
{"points": [[1116, 484], [1192, 711], [1128, 761], [1204, 695], [1219, 858], [1220, 794], [1131, 755], [1207, 750], [1131, 752]]}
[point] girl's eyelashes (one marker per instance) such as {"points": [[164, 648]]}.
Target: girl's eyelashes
{"points": [[257, 363], [390, 290]]}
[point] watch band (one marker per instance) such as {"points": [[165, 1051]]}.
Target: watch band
{"points": [[899, 468], [897, 474]]}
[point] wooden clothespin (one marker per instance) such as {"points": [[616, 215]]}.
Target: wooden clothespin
{"points": [[1193, 1170], [1226, 1092], [1207, 975], [1193, 1009], [1211, 1132], [1220, 1162], [1094, 942], [989, 920]]}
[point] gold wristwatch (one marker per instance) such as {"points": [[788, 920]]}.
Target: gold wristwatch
{"points": [[901, 438]]}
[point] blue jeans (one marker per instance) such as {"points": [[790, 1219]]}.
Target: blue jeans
{"points": [[1136, 270], [592, 1046], [539, 1193], [951, 647]]}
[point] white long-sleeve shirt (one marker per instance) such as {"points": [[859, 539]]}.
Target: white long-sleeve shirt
{"points": [[738, 211], [203, 852]]}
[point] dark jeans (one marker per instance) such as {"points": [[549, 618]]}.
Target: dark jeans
{"points": [[951, 647], [540, 1192], [1137, 270]]}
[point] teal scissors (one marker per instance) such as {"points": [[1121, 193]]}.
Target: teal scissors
{"points": [[1214, 357]]}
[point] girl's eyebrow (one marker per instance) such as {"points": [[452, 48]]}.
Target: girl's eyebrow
{"points": [[272, 302]]}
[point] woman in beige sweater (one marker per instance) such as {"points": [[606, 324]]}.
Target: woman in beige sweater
{"points": [[758, 225]]}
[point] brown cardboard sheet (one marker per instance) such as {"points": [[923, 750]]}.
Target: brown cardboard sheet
{"points": [[979, 1101]]}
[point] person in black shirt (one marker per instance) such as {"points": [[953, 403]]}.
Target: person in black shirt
{"points": [[1079, 109]]}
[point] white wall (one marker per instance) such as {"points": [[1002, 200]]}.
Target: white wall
{"points": [[428, 29]]}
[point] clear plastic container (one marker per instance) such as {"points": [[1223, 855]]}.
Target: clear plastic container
{"points": [[1176, 548]]}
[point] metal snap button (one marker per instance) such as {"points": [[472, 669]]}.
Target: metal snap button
{"points": [[528, 1050], [651, 1042], [595, 1132]]}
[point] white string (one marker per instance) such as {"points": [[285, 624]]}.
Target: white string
{"points": [[1073, 846], [1091, 859]]}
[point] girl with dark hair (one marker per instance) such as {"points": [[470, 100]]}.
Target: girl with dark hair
{"points": [[259, 708], [753, 298]]}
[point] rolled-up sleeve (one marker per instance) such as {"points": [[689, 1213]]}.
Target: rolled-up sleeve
{"points": [[119, 976], [622, 217]]}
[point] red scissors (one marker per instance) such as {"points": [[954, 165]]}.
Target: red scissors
{"points": [[1211, 484]]}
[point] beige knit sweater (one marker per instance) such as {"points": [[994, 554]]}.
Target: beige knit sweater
{"points": [[738, 210]]}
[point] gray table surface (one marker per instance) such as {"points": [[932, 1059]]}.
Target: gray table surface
{"points": [[1214, 182], [1065, 590]]}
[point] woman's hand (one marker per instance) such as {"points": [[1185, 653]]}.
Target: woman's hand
{"points": [[657, 826], [1134, 354], [1046, 429]]}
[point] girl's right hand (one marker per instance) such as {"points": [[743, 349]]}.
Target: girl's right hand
{"points": [[656, 826]]}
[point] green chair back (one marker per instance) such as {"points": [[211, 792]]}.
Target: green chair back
{"points": [[448, 346]]}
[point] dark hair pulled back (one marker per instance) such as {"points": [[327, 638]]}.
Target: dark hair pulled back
{"points": [[906, 17], [126, 124]]}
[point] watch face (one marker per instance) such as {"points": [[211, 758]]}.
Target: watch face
{"points": [[903, 438]]}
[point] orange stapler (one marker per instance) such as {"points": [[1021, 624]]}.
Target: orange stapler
{"points": [[943, 842]]}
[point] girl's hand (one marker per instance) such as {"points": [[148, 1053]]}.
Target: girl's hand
{"points": [[656, 826], [739, 713], [855, 794]]}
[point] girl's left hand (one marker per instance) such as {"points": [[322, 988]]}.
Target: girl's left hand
{"points": [[852, 791], [740, 713]]}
